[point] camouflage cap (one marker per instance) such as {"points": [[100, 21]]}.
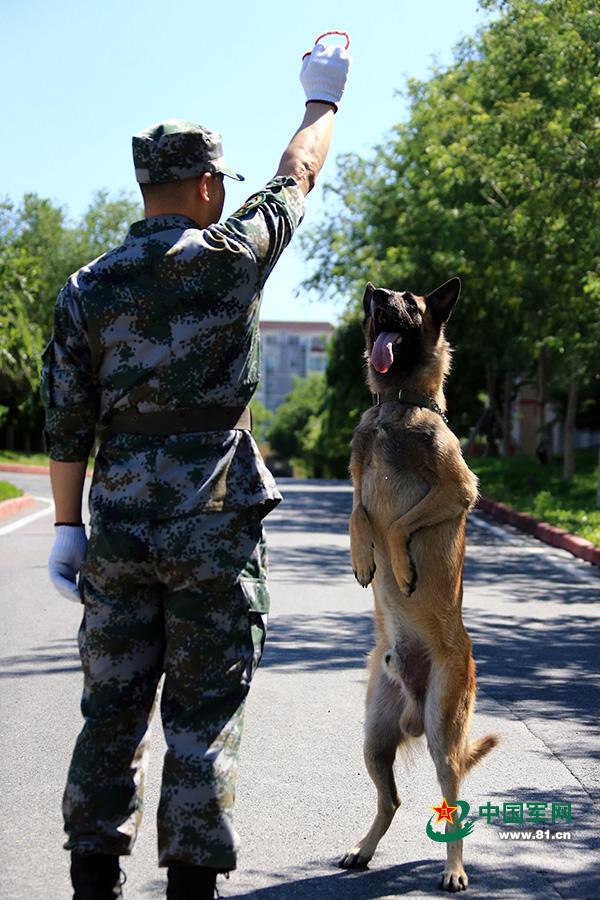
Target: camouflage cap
{"points": [[174, 150]]}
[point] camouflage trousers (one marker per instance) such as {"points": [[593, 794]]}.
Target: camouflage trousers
{"points": [[184, 597]]}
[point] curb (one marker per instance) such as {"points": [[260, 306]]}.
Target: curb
{"points": [[21, 467], [15, 505], [549, 534], [31, 470]]}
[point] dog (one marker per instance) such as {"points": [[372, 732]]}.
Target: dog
{"points": [[412, 493]]}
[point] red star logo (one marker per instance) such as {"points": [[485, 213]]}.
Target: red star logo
{"points": [[444, 812]]}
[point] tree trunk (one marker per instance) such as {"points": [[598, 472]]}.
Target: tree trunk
{"points": [[598, 485], [569, 439], [10, 436], [541, 424], [507, 415], [491, 447], [469, 446]]}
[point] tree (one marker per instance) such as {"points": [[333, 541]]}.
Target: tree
{"points": [[21, 339], [295, 429], [494, 176], [39, 249], [344, 377], [550, 158], [105, 224], [261, 419]]}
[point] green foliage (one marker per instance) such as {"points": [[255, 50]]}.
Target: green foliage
{"points": [[312, 429], [39, 249], [24, 459], [346, 396], [261, 419], [21, 338], [494, 176], [294, 433], [105, 223], [8, 491], [526, 485]]}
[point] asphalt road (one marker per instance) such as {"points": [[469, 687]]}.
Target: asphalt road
{"points": [[304, 796]]}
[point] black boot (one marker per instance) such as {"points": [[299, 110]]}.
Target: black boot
{"points": [[95, 876], [191, 883]]}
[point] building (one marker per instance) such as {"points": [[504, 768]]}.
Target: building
{"points": [[289, 350], [526, 425]]}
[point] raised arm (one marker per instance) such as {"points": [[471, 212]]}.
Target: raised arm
{"points": [[323, 76], [304, 156]]}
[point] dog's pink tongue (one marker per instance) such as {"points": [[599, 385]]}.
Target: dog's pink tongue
{"points": [[382, 354]]}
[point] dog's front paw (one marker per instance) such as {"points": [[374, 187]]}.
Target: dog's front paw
{"points": [[355, 859], [361, 547], [403, 567], [364, 572], [405, 571], [454, 880]]}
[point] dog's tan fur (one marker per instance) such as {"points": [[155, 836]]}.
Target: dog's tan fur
{"points": [[412, 492]]}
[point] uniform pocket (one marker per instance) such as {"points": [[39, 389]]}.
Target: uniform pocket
{"points": [[256, 593], [257, 600], [254, 572]]}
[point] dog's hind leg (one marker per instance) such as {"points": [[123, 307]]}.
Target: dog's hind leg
{"points": [[448, 708], [383, 735]]}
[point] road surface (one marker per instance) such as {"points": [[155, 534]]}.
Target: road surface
{"points": [[303, 795]]}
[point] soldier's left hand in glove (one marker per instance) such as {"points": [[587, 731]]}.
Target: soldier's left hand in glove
{"points": [[66, 557]]}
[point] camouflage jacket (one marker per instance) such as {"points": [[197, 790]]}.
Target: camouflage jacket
{"points": [[168, 320]]}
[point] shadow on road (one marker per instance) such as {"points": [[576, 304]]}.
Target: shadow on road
{"points": [[523, 580], [323, 511], [319, 642], [420, 876], [548, 664], [312, 565], [55, 658]]}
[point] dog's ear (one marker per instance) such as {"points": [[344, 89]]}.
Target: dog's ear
{"points": [[441, 302], [369, 290]]}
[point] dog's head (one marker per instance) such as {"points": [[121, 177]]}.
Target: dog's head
{"points": [[404, 331]]}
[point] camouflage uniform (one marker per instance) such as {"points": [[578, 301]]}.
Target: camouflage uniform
{"points": [[174, 577]]}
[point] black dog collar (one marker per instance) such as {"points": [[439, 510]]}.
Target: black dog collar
{"points": [[411, 398]]}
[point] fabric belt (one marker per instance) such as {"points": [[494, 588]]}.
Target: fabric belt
{"points": [[178, 421]]}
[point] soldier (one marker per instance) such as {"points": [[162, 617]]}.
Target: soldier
{"points": [[155, 350]]}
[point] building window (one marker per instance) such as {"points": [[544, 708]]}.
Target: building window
{"points": [[317, 363]]}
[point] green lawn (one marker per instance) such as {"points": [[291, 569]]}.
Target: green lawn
{"points": [[8, 491], [27, 459], [529, 487]]}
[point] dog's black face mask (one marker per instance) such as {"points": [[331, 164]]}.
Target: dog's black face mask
{"points": [[400, 327], [393, 323]]}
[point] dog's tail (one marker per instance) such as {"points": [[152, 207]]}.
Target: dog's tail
{"points": [[476, 750]]}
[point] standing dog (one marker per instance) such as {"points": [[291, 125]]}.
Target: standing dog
{"points": [[412, 491]]}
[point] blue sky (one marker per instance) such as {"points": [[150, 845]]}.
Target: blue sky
{"points": [[80, 77]]}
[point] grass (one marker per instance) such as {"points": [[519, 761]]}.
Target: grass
{"points": [[526, 485], [9, 491], [27, 459]]}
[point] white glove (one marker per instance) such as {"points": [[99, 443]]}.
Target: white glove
{"points": [[66, 557], [324, 72]]}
